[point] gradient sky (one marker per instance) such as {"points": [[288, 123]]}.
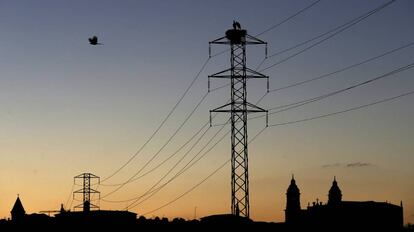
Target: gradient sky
{"points": [[68, 107]]}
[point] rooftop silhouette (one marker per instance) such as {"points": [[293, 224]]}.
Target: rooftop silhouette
{"points": [[335, 215]]}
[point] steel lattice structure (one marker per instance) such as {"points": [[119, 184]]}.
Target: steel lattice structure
{"points": [[86, 191], [238, 108]]}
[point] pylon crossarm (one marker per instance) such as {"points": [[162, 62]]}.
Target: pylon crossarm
{"points": [[241, 111], [253, 40], [250, 74], [219, 74], [255, 74], [258, 109], [221, 40], [94, 206], [221, 108], [88, 174]]}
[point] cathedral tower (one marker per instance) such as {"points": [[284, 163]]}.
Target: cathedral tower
{"points": [[335, 194], [292, 210]]}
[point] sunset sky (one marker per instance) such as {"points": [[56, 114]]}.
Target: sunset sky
{"points": [[67, 107]]}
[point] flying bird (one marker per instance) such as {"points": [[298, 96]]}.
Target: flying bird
{"points": [[94, 41]]}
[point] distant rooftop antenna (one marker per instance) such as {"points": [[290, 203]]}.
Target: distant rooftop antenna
{"points": [[86, 191]]}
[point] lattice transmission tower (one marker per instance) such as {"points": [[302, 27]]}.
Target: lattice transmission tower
{"points": [[86, 191], [238, 107]]}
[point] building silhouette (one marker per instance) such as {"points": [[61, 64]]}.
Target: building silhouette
{"points": [[292, 211], [338, 214], [20, 218], [335, 194], [95, 217], [335, 215], [18, 213]]}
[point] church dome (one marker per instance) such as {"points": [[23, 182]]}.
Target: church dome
{"points": [[293, 188], [335, 194]]}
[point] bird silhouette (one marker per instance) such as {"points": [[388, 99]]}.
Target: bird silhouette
{"points": [[94, 41], [236, 25]]}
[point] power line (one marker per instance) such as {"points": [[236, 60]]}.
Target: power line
{"points": [[289, 18], [344, 27], [345, 68], [159, 151], [336, 71], [70, 196], [171, 156], [191, 148], [220, 87], [187, 166], [360, 19], [310, 40], [342, 111], [307, 101], [168, 158], [190, 190], [201, 182], [162, 123], [160, 164], [321, 97]]}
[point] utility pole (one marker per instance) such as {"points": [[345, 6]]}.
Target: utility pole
{"points": [[238, 108], [86, 191]]}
